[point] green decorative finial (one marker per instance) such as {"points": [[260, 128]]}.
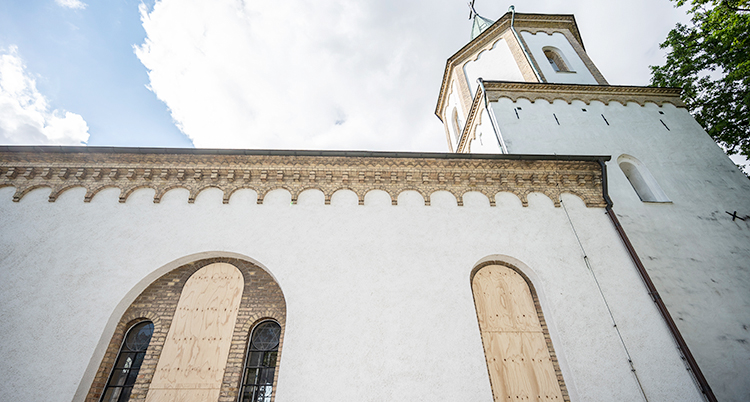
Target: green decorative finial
{"points": [[480, 23]]}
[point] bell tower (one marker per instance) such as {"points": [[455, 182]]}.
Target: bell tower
{"points": [[524, 85], [532, 48]]}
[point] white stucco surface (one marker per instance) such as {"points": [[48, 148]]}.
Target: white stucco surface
{"points": [[379, 303], [495, 64], [698, 257], [580, 73], [483, 139]]}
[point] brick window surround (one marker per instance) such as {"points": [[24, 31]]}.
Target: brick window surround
{"points": [[262, 299], [540, 315]]}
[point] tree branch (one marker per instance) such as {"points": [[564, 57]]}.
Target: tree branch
{"points": [[726, 4]]}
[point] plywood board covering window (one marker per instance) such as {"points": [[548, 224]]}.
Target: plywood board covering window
{"points": [[192, 363], [519, 361]]}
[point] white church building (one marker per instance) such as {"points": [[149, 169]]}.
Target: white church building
{"points": [[579, 242]]}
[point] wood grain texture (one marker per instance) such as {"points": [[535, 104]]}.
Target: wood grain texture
{"points": [[192, 362], [518, 360], [505, 301], [178, 395]]}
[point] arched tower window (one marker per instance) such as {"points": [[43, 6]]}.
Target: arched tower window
{"points": [[260, 363], [520, 359], [641, 179], [128, 363], [457, 125], [556, 60]]}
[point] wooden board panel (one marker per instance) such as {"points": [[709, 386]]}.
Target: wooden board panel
{"points": [[179, 395], [520, 366], [192, 362], [504, 301], [515, 347], [535, 349]]}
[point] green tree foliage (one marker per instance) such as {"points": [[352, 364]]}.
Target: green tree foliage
{"points": [[710, 61]]}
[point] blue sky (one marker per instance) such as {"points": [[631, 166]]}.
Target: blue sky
{"points": [[292, 74], [84, 62]]}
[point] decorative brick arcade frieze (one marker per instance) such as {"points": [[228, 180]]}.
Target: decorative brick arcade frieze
{"points": [[584, 93], [96, 169]]}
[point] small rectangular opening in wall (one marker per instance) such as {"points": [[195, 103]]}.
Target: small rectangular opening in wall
{"points": [[584, 110], [519, 108], [660, 112], [605, 119]]}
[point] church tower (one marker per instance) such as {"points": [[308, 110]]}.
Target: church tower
{"points": [[532, 48], [525, 85]]}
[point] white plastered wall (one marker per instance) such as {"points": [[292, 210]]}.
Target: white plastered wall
{"points": [[484, 140], [379, 303], [698, 257], [495, 64], [580, 73]]}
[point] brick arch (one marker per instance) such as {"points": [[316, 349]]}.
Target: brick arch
{"points": [[194, 194], [425, 196], [94, 191], [22, 191], [163, 190], [263, 192], [540, 316], [127, 192], [58, 190], [262, 298]]}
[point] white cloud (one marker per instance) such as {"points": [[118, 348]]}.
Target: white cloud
{"points": [[25, 116], [742, 162], [344, 74], [74, 4], [290, 74]]}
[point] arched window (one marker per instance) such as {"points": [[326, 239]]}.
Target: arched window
{"points": [[457, 125], [260, 364], [128, 363], [519, 354], [200, 314], [556, 61], [641, 179]]}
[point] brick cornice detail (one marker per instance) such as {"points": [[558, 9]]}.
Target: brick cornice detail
{"points": [[471, 120], [61, 171], [584, 93]]}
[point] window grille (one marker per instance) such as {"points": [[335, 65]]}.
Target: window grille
{"points": [[128, 363], [260, 364]]}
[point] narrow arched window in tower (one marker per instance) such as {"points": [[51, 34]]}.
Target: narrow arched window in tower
{"points": [[128, 363], [640, 178], [517, 347], [457, 125], [556, 61], [260, 363]]}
